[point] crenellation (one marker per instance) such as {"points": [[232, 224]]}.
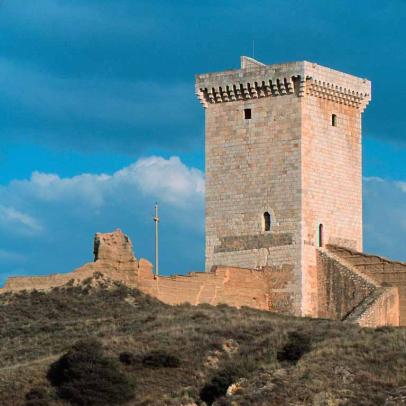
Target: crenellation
{"points": [[301, 78]]}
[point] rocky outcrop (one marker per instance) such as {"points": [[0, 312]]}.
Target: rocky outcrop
{"points": [[113, 257]]}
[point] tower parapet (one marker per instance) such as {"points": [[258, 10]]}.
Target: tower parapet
{"points": [[255, 80]]}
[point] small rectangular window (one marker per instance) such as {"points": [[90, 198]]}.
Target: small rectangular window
{"points": [[334, 120], [247, 114]]}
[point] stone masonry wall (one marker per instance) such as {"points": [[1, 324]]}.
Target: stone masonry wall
{"points": [[380, 309], [331, 170], [340, 288], [233, 286], [253, 167], [263, 289], [384, 271], [331, 184]]}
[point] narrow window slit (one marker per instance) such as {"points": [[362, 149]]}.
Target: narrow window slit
{"points": [[320, 235], [267, 221]]}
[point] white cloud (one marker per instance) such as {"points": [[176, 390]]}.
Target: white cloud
{"points": [[46, 187], [167, 180], [170, 180]]}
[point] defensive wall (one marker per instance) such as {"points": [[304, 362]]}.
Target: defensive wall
{"points": [[384, 272], [344, 292]]}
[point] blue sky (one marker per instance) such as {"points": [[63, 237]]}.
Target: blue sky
{"points": [[98, 116]]}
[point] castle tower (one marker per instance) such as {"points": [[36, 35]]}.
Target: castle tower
{"points": [[283, 170]]}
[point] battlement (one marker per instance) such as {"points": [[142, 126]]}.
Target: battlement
{"points": [[256, 80]]}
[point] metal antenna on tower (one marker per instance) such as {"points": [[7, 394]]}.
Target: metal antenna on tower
{"points": [[156, 220]]}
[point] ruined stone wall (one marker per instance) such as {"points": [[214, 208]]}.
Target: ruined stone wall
{"points": [[113, 256], [86, 271]]}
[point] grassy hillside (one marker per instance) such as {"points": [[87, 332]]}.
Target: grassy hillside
{"points": [[179, 355]]}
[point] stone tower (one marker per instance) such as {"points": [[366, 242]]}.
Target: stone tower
{"points": [[283, 170]]}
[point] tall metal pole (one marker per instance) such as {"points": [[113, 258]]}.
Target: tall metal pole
{"points": [[156, 220]]}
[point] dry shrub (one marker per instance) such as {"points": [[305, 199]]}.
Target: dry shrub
{"points": [[298, 344], [84, 376]]}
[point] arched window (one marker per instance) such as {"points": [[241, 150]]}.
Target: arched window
{"points": [[267, 221], [334, 120], [320, 235]]}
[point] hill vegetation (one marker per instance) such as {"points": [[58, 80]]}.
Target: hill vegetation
{"points": [[103, 343]]}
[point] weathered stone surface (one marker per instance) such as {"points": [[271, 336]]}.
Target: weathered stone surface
{"points": [[384, 273], [114, 258], [340, 287], [113, 247], [250, 242], [379, 309]]}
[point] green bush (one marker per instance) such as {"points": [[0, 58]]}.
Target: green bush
{"points": [[84, 376]]}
